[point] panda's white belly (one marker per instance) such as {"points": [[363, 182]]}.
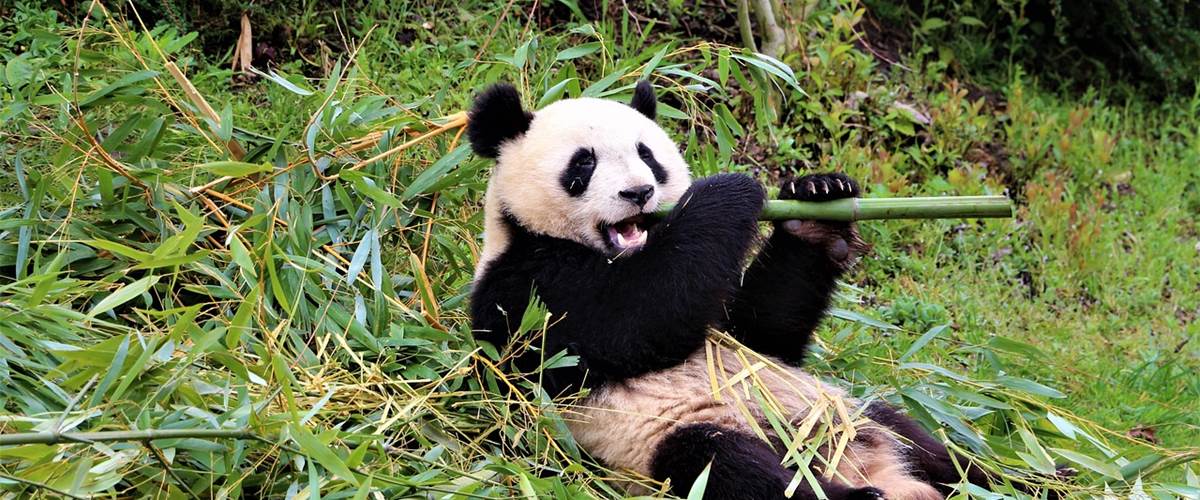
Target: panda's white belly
{"points": [[622, 424]]}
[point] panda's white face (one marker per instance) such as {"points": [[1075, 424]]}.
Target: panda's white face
{"points": [[585, 170]]}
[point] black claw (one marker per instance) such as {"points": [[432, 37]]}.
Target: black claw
{"points": [[819, 187]]}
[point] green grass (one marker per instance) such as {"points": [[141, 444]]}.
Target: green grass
{"points": [[325, 310]]}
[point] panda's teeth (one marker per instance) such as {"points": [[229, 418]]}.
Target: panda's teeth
{"points": [[627, 235], [640, 237]]}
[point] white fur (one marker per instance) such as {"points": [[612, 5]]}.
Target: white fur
{"points": [[525, 181], [730, 386]]}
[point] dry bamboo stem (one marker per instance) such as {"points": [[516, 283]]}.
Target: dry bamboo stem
{"points": [[235, 149]]}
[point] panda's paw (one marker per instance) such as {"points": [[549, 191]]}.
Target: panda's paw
{"points": [[727, 195], [840, 240], [818, 187]]}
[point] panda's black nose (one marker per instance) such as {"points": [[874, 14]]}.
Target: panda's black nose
{"points": [[638, 195]]}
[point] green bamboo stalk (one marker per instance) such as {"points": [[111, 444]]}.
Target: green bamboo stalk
{"points": [[144, 435], [855, 209]]}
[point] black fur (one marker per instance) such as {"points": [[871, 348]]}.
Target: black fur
{"points": [[644, 100], [647, 156], [578, 174], [743, 466], [631, 315], [496, 116], [786, 290]]}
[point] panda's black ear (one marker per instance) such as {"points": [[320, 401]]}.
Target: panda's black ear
{"points": [[496, 116], [644, 100]]}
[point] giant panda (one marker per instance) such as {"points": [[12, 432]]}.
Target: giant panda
{"points": [[567, 219]]}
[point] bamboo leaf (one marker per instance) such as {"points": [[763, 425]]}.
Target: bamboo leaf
{"points": [[524, 52], [600, 86], [1135, 469], [177, 260], [860, 318], [554, 92], [119, 249], [364, 489], [359, 260], [696, 492], [241, 256], [121, 83], [282, 81], [116, 366], [47, 278], [654, 61], [774, 67], [80, 475], [313, 448], [667, 111], [436, 171], [1105, 468], [230, 168], [1036, 455], [123, 295], [577, 51], [1067, 428], [366, 186], [1026, 385], [25, 232], [526, 486], [920, 342]]}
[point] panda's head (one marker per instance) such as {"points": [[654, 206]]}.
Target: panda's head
{"points": [[586, 170]]}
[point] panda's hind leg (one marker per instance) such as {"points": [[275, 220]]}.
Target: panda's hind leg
{"points": [[929, 458], [743, 467], [886, 468]]}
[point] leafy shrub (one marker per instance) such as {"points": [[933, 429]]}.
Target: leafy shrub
{"points": [[1154, 46]]}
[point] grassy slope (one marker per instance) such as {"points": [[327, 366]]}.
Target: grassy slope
{"points": [[1097, 274], [1110, 296]]}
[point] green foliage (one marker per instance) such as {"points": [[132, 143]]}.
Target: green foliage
{"points": [[313, 291], [1149, 46]]}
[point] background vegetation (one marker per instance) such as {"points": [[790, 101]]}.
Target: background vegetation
{"points": [[289, 269]]}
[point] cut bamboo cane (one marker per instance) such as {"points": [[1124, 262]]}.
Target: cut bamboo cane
{"points": [[854, 209]]}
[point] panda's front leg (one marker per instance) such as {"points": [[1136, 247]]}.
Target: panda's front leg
{"points": [[786, 290], [651, 310]]}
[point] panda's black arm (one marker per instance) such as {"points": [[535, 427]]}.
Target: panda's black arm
{"points": [[783, 296], [787, 289], [630, 315], [653, 308]]}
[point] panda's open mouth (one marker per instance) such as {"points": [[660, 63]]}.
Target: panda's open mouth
{"points": [[626, 234]]}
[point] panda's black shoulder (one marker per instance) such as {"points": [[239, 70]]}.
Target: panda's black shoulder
{"points": [[530, 264]]}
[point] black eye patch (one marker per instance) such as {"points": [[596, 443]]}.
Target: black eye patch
{"points": [[660, 174], [579, 171]]}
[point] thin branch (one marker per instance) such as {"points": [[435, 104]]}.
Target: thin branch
{"points": [[42, 486], [170, 471], [144, 435]]}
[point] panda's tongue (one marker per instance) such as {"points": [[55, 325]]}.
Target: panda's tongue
{"points": [[627, 234]]}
